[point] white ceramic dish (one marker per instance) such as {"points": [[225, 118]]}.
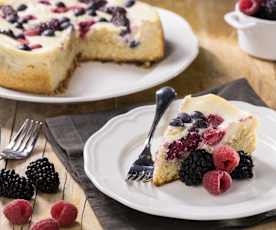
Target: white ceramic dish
{"points": [[256, 36], [109, 153], [97, 81]]}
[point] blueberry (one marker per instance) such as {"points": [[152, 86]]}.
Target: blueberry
{"points": [[97, 5], [185, 117], [79, 12], [134, 44], [198, 115], [24, 47], [48, 32], [22, 7], [177, 123], [65, 25], [60, 4], [201, 123], [130, 3], [12, 18], [8, 33]]}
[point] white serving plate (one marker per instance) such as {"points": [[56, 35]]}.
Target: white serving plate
{"points": [[109, 153], [97, 81]]}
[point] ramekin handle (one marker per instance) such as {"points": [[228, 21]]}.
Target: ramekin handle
{"points": [[233, 20]]}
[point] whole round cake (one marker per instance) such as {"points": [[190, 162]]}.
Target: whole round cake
{"points": [[41, 41]]}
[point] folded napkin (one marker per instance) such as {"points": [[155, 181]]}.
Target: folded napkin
{"points": [[67, 135]]}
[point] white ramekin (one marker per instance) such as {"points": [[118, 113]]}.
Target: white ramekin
{"points": [[257, 37]]}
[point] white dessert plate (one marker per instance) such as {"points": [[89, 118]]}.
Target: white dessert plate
{"points": [[109, 153], [97, 81]]}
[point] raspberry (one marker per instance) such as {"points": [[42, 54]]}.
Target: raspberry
{"points": [[226, 158], [249, 7], [47, 224], [213, 136], [214, 120], [217, 181], [64, 213], [18, 211]]}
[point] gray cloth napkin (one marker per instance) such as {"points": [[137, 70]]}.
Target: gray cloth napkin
{"points": [[67, 135]]}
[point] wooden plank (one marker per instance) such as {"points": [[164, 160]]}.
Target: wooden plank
{"points": [[89, 219]]}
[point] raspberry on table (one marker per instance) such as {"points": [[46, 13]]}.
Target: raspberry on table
{"points": [[217, 181], [47, 224], [226, 158], [18, 212], [64, 213]]}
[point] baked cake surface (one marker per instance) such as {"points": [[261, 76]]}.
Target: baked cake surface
{"points": [[203, 122], [42, 40]]}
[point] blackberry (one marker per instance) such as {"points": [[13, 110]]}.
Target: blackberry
{"points": [[267, 10], [15, 186], [195, 166], [245, 168], [181, 119], [43, 175]]}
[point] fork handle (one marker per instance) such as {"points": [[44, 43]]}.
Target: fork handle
{"points": [[164, 98]]}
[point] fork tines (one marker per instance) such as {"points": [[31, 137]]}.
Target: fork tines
{"points": [[25, 139], [140, 173]]}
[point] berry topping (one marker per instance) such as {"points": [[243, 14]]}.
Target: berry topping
{"points": [[103, 20], [43, 175], [213, 136], [245, 168], [178, 148], [45, 2], [21, 7], [25, 47], [267, 10], [217, 182], [130, 3], [12, 18], [18, 211], [226, 158], [214, 120], [201, 124], [84, 27], [133, 44], [79, 12], [14, 186], [119, 17], [35, 46], [60, 5], [198, 115], [181, 119], [33, 31], [8, 33], [96, 5], [64, 213], [249, 7], [19, 25], [7, 10], [48, 33], [195, 166], [47, 224]]}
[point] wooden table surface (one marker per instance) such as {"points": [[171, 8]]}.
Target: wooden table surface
{"points": [[219, 61]]}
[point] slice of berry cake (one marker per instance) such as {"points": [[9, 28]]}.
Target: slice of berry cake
{"points": [[41, 41], [203, 122]]}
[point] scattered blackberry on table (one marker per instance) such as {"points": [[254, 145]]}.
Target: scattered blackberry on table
{"points": [[15, 186], [43, 175], [245, 168], [195, 166]]}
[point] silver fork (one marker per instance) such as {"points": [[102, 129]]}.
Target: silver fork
{"points": [[142, 168], [22, 144]]}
